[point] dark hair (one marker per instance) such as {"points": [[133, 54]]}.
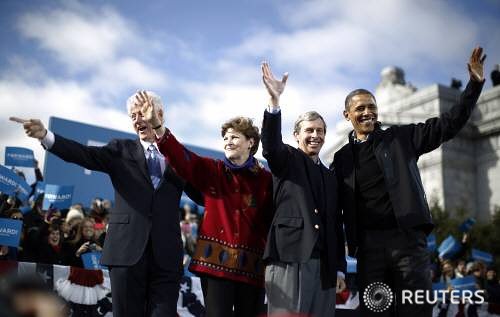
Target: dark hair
{"points": [[356, 92], [244, 126]]}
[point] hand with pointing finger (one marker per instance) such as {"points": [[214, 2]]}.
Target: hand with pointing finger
{"points": [[33, 127]]}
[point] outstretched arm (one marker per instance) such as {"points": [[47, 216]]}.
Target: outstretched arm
{"points": [[427, 136], [91, 157]]}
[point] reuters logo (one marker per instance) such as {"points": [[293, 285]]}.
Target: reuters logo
{"points": [[377, 297]]}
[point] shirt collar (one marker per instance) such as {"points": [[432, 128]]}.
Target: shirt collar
{"points": [[358, 141], [146, 145]]}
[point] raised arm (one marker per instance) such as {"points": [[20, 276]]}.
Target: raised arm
{"points": [[427, 136], [273, 148], [199, 171], [91, 157]]}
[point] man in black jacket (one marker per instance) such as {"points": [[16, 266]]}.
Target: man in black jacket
{"points": [[143, 246], [305, 247], [384, 205]]}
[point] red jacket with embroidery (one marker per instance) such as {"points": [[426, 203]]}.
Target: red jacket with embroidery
{"points": [[238, 213]]}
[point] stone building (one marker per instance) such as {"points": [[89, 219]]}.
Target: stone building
{"points": [[462, 173]]}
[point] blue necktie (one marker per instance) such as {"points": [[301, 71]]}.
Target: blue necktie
{"points": [[154, 166]]}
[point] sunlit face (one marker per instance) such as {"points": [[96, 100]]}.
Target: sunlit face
{"points": [[54, 238], [142, 127], [311, 137], [237, 146], [363, 114], [88, 230]]}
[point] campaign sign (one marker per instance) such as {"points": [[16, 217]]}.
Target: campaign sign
{"points": [[10, 232], [351, 264], [448, 248], [25, 209], [57, 196], [431, 242], [464, 283], [467, 225], [438, 287], [39, 189], [479, 255], [19, 156], [91, 260], [13, 184]]}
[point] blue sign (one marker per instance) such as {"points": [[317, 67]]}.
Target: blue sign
{"points": [[57, 196], [479, 255], [464, 283], [91, 260], [10, 232], [351, 264], [19, 156], [467, 225], [25, 209], [13, 184], [90, 184], [431, 242], [448, 248], [39, 189]]}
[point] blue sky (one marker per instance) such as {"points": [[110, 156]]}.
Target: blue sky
{"points": [[82, 59]]}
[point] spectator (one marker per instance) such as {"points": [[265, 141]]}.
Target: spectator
{"points": [[52, 250], [447, 271], [86, 243], [98, 211], [460, 270]]}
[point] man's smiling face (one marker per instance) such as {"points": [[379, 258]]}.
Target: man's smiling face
{"points": [[363, 114]]}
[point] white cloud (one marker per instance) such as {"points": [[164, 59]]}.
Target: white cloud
{"points": [[360, 37], [78, 38]]}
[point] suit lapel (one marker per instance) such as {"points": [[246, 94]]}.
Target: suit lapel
{"points": [[137, 152]]}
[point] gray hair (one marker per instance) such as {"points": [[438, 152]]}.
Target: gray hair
{"points": [[308, 116], [155, 98]]}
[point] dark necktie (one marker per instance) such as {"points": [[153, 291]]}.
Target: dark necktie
{"points": [[154, 166]]}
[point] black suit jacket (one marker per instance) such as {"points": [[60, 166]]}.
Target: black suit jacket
{"points": [[140, 211], [293, 234]]}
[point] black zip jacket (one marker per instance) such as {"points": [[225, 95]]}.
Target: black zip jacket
{"points": [[397, 150]]}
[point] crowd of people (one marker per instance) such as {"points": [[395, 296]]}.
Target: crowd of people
{"points": [[55, 236]]}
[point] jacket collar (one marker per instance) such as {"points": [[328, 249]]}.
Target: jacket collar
{"points": [[374, 134]]}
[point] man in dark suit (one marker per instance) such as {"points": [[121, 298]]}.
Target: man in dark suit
{"points": [[305, 250], [143, 247], [384, 205]]}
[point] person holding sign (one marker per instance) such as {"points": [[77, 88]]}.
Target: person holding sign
{"points": [[383, 200], [237, 192], [143, 247]]}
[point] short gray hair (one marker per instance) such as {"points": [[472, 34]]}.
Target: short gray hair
{"points": [[308, 116], [155, 98]]}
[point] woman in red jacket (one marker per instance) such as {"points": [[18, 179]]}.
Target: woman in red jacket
{"points": [[238, 212]]}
